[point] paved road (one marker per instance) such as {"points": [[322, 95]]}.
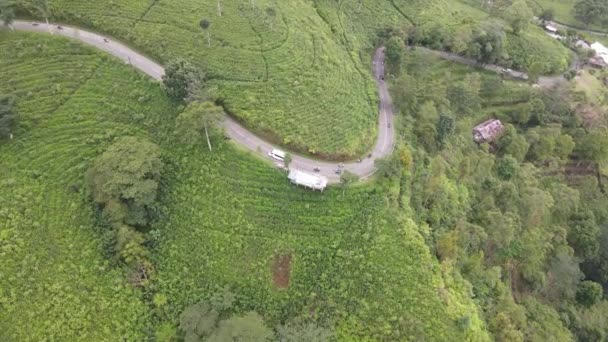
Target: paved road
{"points": [[364, 169], [543, 81]]}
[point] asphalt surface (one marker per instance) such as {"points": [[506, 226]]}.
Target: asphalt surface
{"points": [[543, 81], [363, 168]]}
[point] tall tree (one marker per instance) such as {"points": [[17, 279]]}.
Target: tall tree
{"points": [[196, 119], [589, 293], [346, 179], [205, 26], [246, 328], [125, 180], [519, 16], [394, 54], [303, 332], [198, 320], [591, 11], [271, 14], [547, 14], [7, 13], [8, 116], [182, 79]]}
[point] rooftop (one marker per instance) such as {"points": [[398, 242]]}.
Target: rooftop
{"points": [[487, 131], [308, 180]]}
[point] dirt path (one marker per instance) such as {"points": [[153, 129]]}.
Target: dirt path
{"points": [[364, 169]]}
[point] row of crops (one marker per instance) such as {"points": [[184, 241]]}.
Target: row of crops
{"points": [[278, 66], [55, 283], [225, 216], [353, 260]]}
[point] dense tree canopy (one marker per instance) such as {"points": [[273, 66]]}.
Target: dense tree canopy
{"points": [[591, 11], [125, 180], [196, 120], [519, 16], [183, 81]]}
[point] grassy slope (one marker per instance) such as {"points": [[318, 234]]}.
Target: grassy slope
{"points": [[354, 259], [564, 13], [285, 76], [523, 50], [54, 281], [499, 103]]}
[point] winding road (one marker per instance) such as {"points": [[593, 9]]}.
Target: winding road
{"points": [[364, 168]]}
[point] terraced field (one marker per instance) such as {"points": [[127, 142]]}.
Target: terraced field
{"points": [[281, 71], [354, 258], [564, 13], [55, 281]]}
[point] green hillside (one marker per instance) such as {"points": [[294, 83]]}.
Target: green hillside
{"points": [[285, 75], [55, 280], [355, 260]]}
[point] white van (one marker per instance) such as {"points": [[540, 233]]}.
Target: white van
{"points": [[277, 154]]}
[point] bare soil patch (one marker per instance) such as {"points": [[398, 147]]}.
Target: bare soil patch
{"points": [[281, 270]]}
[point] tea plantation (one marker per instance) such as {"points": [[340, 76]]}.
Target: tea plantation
{"points": [[281, 71], [225, 216]]}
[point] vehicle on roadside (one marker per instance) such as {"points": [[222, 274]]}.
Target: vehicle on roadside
{"points": [[316, 169], [277, 154]]}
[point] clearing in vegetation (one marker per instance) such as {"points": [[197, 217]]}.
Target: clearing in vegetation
{"points": [[281, 269]]}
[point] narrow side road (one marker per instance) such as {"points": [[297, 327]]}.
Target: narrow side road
{"points": [[364, 169]]}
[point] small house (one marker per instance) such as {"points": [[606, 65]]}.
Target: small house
{"points": [[314, 182], [488, 131]]}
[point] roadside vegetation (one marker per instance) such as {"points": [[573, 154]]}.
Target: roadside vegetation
{"points": [[582, 14], [521, 218], [117, 228], [125, 213]]}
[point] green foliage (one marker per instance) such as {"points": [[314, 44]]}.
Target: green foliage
{"points": [[593, 146], [591, 11], [198, 320], [544, 323], [303, 332], [507, 167], [445, 128], [518, 15], [7, 12], [300, 77], [196, 120], [487, 43], [181, 79], [395, 48], [124, 179], [547, 14], [8, 116], [59, 281], [589, 293], [348, 178], [247, 328], [583, 234]]}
